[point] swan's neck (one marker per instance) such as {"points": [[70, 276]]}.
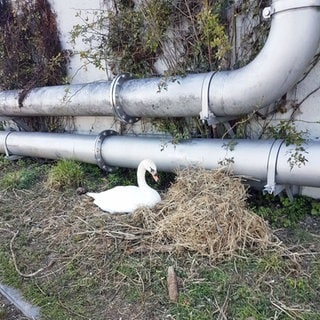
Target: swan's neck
{"points": [[141, 177]]}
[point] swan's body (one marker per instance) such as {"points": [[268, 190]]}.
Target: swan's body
{"points": [[126, 199]]}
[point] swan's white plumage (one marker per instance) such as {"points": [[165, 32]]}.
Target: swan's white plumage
{"points": [[126, 199]]}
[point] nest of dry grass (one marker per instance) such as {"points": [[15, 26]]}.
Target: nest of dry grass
{"points": [[204, 212]]}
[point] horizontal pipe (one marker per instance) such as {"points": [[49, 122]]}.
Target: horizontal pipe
{"points": [[251, 158], [292, 42], [49, 146], [89, 99]]}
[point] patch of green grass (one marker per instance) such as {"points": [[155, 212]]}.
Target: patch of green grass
{"points": [[280, 211], [65, 174], [272, 262], [3, 161], [20, 179], [3, 314], [254, 287], [21, 174]]}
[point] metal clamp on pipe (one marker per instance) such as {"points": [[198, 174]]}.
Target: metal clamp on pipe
{"points": [[206, 114], [284, 5], [6, 150], [114, 96], [97, 149], [271, 187]]}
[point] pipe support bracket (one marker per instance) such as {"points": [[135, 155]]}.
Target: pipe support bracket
{"points": [[271, 187], [11, 157], [114, 99], [206, 114], [284, 5], [97, 149]]}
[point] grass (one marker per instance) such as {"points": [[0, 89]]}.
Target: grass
{"points": [[89, 272], [65, 174]]}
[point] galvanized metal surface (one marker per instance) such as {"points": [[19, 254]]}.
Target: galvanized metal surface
{"points": [[250, 158], [88, 99], [243, 157], [49, 146]]}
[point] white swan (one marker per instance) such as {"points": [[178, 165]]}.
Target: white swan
{"points": [[126, 199]]}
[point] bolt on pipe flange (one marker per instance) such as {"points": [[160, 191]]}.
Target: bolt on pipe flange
{"points": [[114, 96], [97, 149]]}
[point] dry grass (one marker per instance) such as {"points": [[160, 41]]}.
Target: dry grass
{"points": [[205, 212]]}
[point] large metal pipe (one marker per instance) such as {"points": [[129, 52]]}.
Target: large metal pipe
{"points": [[268, 165], [291, 44], [295, 24]]}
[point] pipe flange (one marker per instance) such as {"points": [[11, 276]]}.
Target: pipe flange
{"points": [[284, 5], [98, 147], [114, 97]]}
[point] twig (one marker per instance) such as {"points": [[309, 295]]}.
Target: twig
{"points": [[222, 314], [290, 312], [25, 275]]}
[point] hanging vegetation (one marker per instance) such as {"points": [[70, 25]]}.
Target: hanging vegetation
{"points": [[30, 53]]}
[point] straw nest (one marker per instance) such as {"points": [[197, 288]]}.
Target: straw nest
{"points": [[204, 212]]}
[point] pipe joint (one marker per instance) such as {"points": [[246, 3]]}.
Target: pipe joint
{"points": [[114, 99], [98, 149], [284, 5]]}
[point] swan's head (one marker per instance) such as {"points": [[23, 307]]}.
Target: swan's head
{"points": [[151, 167]]}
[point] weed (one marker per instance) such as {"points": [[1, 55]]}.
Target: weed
{"points": [[315, 208], [3, 161], [3, 314], [272, 262], [178, 128], [281, 211], [287, 131], [20, 179], [65, 174]]}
